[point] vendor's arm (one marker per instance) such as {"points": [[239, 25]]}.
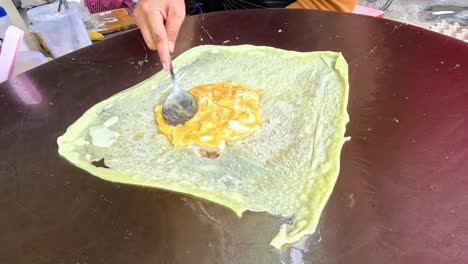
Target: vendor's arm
{"points": [[329, 5]]}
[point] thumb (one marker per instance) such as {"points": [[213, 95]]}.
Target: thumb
{"points": [[174, 21]]}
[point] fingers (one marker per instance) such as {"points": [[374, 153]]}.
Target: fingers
{"points": [[159, 35], [140, 19], [174, 21], [150, 17]]}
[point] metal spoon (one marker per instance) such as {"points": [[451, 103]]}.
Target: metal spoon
{"points": [[180, 106]]}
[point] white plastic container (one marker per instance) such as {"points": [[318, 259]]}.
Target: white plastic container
{"points": [[5, 22], [27, 60], [62, 32]]}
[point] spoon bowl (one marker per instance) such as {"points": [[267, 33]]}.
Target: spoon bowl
{"points": [[179, 106]]}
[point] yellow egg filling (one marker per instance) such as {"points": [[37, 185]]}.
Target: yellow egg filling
{"points": [[226, 112]]}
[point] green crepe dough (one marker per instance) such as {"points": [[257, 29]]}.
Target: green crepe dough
{"points": [[287, 168]]}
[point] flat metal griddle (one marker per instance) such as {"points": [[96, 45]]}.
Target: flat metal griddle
{"points": [[401, 197]]}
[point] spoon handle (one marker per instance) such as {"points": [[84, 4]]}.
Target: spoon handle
{"points": [[171, 71]]}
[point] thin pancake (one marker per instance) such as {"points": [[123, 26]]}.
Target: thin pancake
{"points": [[287, 168]]}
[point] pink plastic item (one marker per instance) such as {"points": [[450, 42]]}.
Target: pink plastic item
{"points": [[11, 45], [367, 11], [96, 6]]}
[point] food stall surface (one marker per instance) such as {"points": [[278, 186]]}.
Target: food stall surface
{"points": [[400, 197]]}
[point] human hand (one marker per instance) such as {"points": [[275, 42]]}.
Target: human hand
{"points": [[159, 22]]}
